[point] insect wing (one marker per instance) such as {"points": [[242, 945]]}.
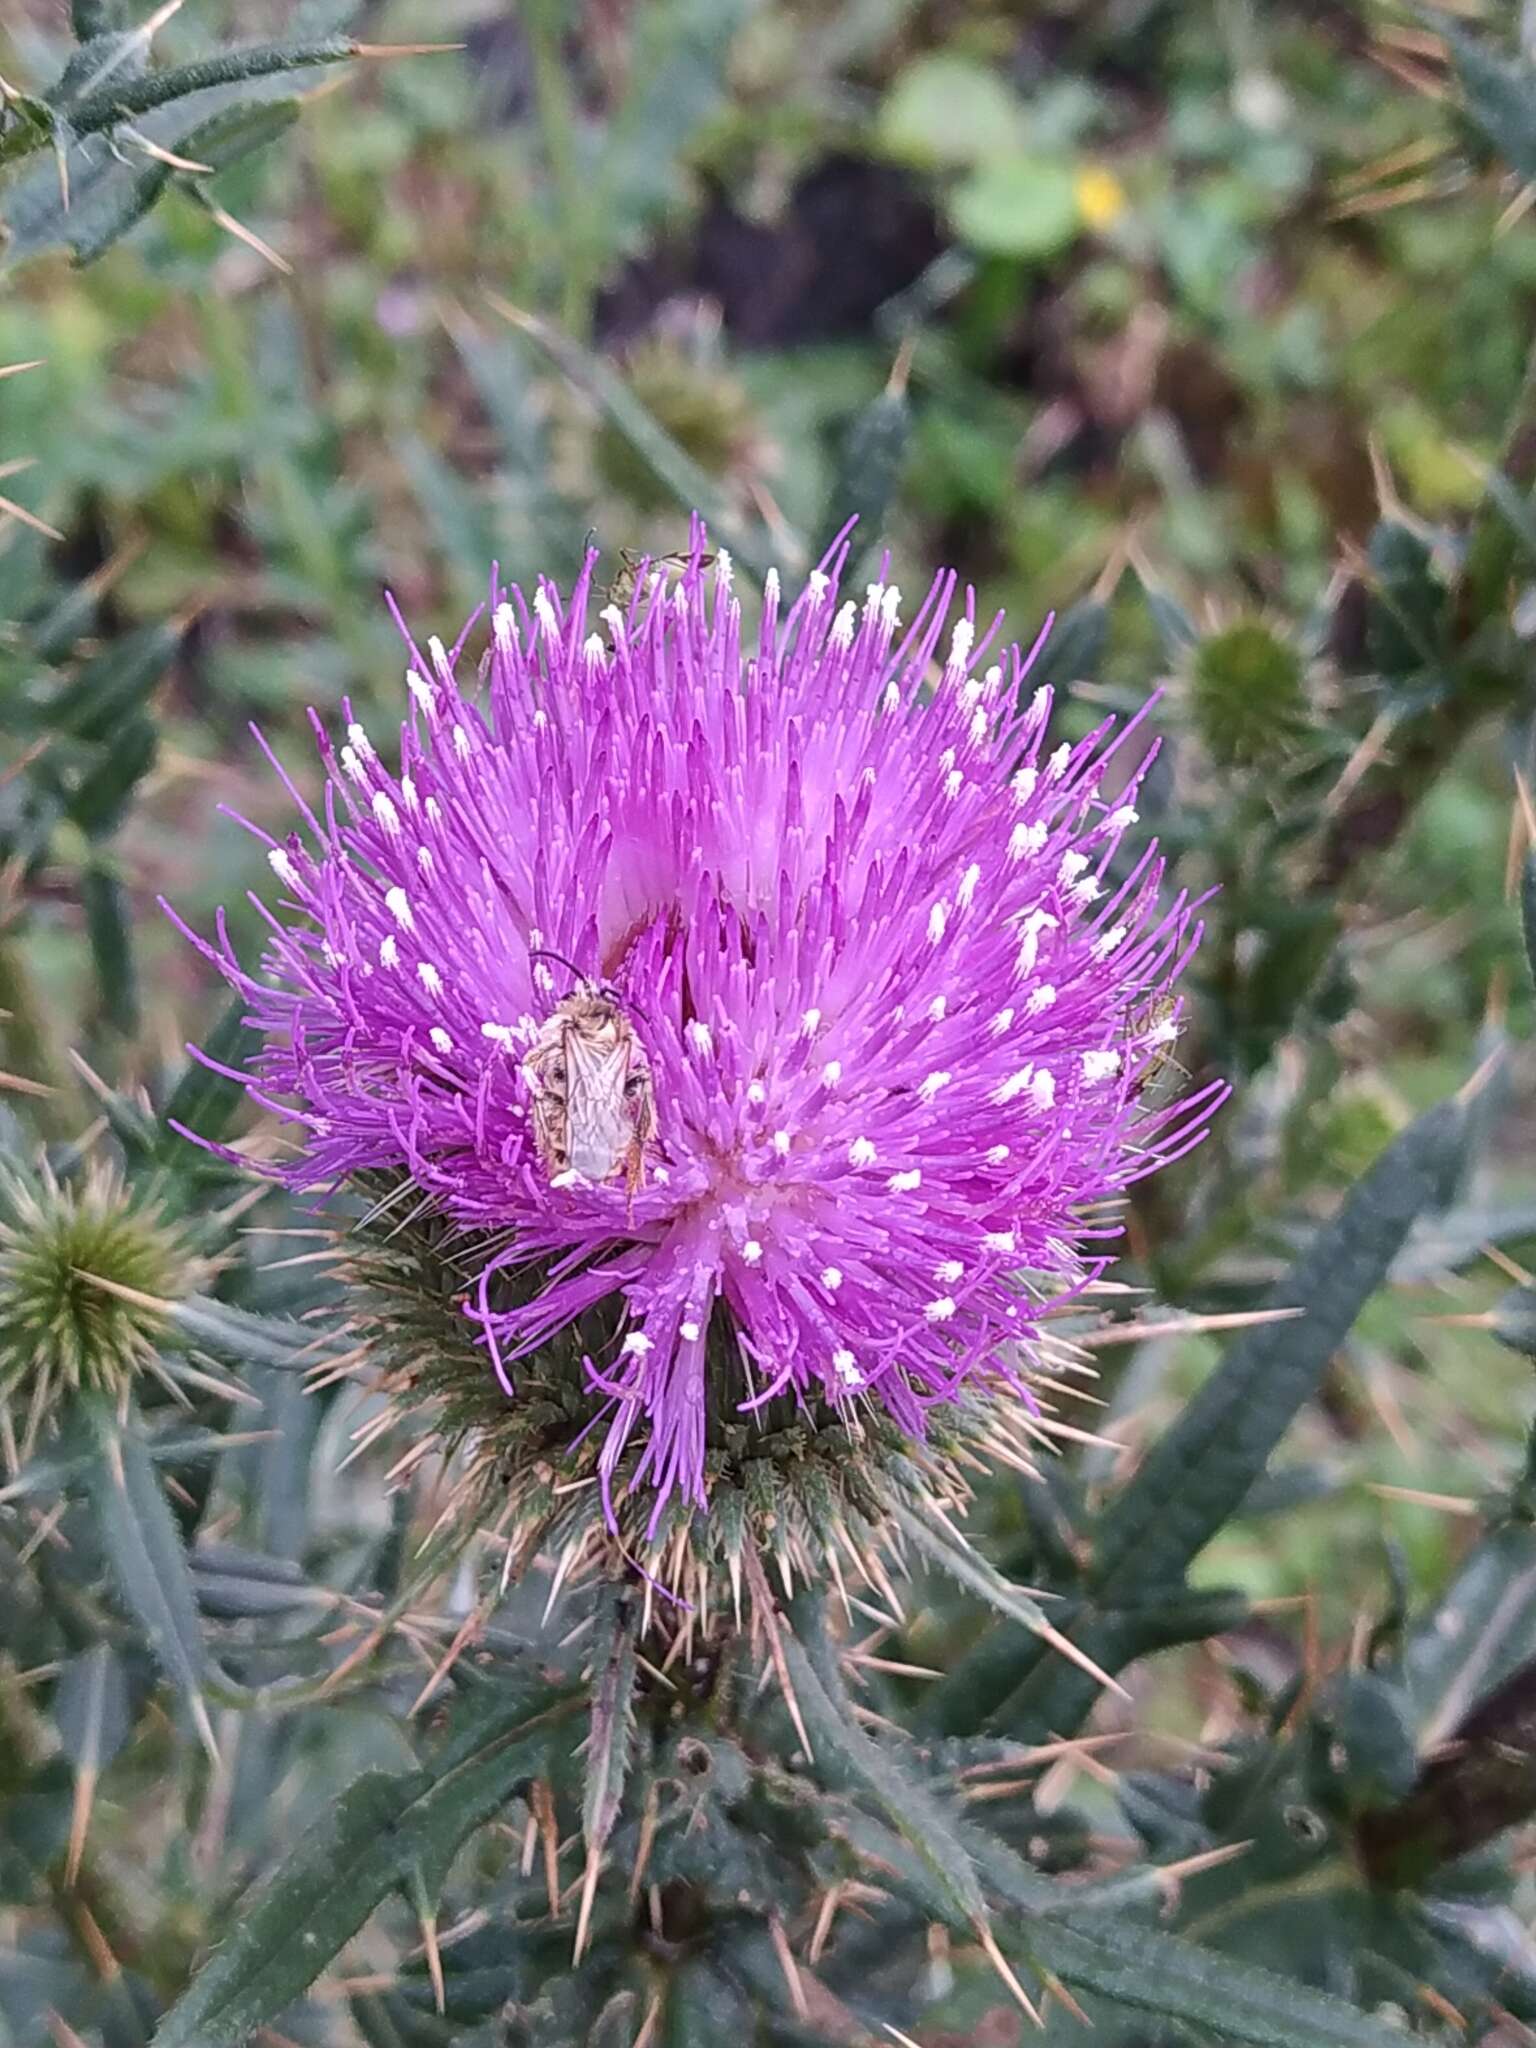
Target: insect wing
{"points": [[600, 1129]]}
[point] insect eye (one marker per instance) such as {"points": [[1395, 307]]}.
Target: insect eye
{"points": [[634, 1086], [557, 1073]]}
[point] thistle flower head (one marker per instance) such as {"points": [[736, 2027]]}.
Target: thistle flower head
{"points": [[766, 1015], [84, 1265]]}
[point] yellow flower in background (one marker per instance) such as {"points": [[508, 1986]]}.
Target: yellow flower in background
{"points": [[1100, 197]]}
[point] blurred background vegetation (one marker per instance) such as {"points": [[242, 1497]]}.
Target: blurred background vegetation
{"points": [[1200, 322], [1192, 293]]}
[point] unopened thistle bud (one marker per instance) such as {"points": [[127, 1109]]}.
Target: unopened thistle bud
{"points": [[1247, 694], [85, 1265]]}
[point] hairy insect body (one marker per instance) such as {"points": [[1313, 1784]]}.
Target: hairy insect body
{"points": [[594, 1103]]}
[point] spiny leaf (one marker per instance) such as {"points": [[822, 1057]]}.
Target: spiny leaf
{"points": [[848, 1760], [285, 1935], [235, 132], [92, 1713], [126, 97], [95, 192], [613, 1693], [140, 1538], [245, 1337], [103, 794], [90, 1707], [89, 18], [114, 683], [953, 1555], [109, 929], [969, 1569], [1135, 1966], [1151, 1972], [1198, 1473], [1075, 649], [176, 1447], [383, 1830]]}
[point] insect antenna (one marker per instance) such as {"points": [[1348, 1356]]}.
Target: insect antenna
{"points": [[587, 981], [549, 953]]}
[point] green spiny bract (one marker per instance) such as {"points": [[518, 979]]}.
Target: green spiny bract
{"points": [[86, 1266], [1247, 693], [810, 1490]]}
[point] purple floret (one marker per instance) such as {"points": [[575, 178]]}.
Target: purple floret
{"points": [[899, 997]]}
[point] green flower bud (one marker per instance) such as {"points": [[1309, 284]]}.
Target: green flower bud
{"points": [[85, 1268], [1247, 694]]}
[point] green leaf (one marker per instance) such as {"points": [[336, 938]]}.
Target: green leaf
{"points": [[382, 1830], [1147, 1971], [869, 469], [91, 1708], [1018, 205], [114, 684], [703, 2008], [1501, 99], [1199, 1472], [1480, 1630], [947, 110], [126, 98], [108, 924], [386, 2020], [1405, 621], [1074, 649], [671, 465], [102, 796], [203, 1101], [845, 1759], [338, 1872], [614, 1670], [245, 1337], [144, 1548], [235, 132]]}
